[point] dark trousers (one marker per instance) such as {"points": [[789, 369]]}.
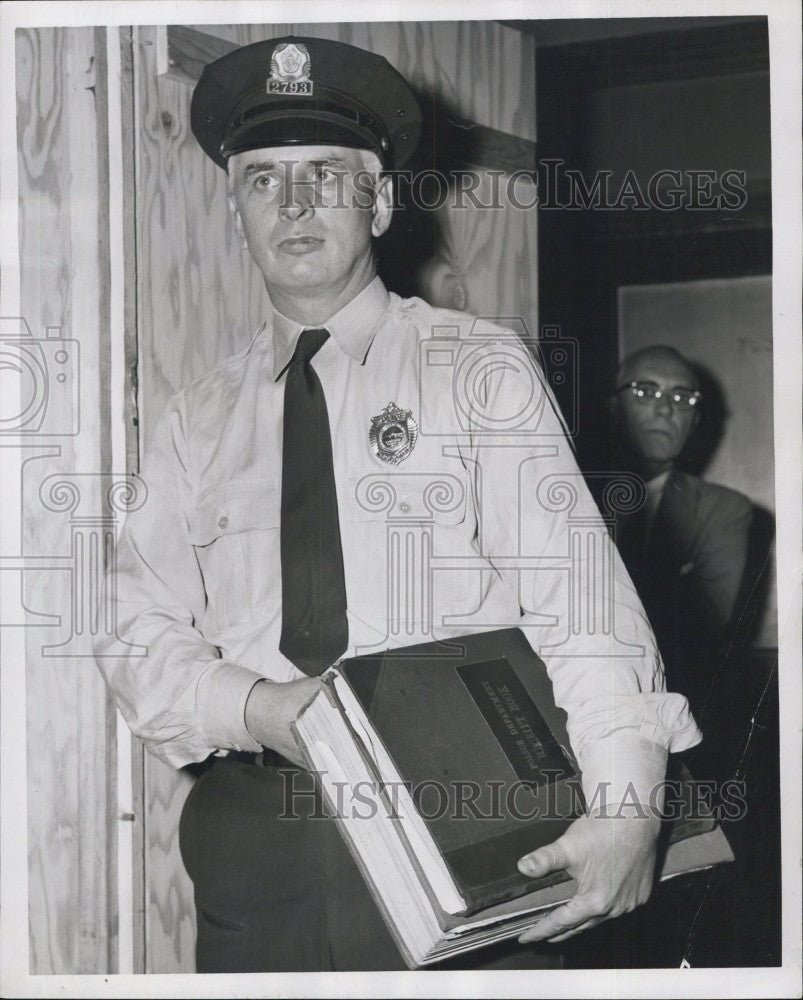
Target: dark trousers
{"points": [[276, 889]]}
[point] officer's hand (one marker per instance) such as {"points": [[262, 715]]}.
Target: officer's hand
{"points": [[613, 860], [271, 708]]}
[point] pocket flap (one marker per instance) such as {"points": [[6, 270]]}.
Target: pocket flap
{"points": [[416, 496], [229, 508]]}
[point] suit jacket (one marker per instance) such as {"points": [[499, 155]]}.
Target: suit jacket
{"points": [[689, 574]]}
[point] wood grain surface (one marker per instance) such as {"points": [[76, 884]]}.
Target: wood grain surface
{"points": [[64, 284], [199, 296], [130, 415]]}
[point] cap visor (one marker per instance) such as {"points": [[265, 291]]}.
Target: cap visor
{"points": [[300, 129]]}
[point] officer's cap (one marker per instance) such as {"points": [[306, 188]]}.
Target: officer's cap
{"points": [[304, 91]]}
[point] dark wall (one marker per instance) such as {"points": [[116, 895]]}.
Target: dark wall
{"points": [[693, 100], [688, 100]]}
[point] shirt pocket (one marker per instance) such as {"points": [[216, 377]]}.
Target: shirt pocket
{"points": [[414, 531], [235, 530]]}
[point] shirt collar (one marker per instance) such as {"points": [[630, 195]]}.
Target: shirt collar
{"points": [[352, 328]]}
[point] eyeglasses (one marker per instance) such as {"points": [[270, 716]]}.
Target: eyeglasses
{"points": [[646, 392]]}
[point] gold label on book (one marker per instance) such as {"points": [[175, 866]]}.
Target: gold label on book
{"points": [[520, 729]]}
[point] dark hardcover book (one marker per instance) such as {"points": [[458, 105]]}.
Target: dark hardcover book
{"points": [[472, 727], [444, 763]]}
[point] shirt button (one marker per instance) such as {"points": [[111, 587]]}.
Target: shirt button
{"points": [[223, 522], [404, 507]]}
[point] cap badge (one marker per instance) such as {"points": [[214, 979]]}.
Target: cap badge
{"points": [[290, 70], [393, 434]]}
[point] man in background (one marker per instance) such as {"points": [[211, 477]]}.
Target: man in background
{"points": [[686, 548]]}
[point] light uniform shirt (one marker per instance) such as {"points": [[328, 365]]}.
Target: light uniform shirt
{"points": [[485, 523]]}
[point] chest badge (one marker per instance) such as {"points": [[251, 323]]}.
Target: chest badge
{"points": [[393, 434], [290, 70]]}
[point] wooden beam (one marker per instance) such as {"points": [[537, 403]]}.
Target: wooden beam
{"points": [[188, 51]]}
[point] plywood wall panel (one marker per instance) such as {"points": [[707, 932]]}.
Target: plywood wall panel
{"points": [[169, 907], [200, 298], [63, 235]]}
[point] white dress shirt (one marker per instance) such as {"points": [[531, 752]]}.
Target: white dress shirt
{"points": [[486, 523]]}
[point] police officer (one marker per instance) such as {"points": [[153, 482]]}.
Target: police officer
{"points": [[260, 557]]}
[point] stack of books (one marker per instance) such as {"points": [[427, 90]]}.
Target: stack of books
{"points": [[443, 764]]}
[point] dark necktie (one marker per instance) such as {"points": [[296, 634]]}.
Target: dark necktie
{"points": [[314, 625], [632, 542]]}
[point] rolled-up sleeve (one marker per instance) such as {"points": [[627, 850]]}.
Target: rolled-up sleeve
{"points": [[579, 608], [172, 686]]}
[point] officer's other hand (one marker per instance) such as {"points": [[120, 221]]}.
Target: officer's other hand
{"points": [[613, 861], [271, 708]]}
